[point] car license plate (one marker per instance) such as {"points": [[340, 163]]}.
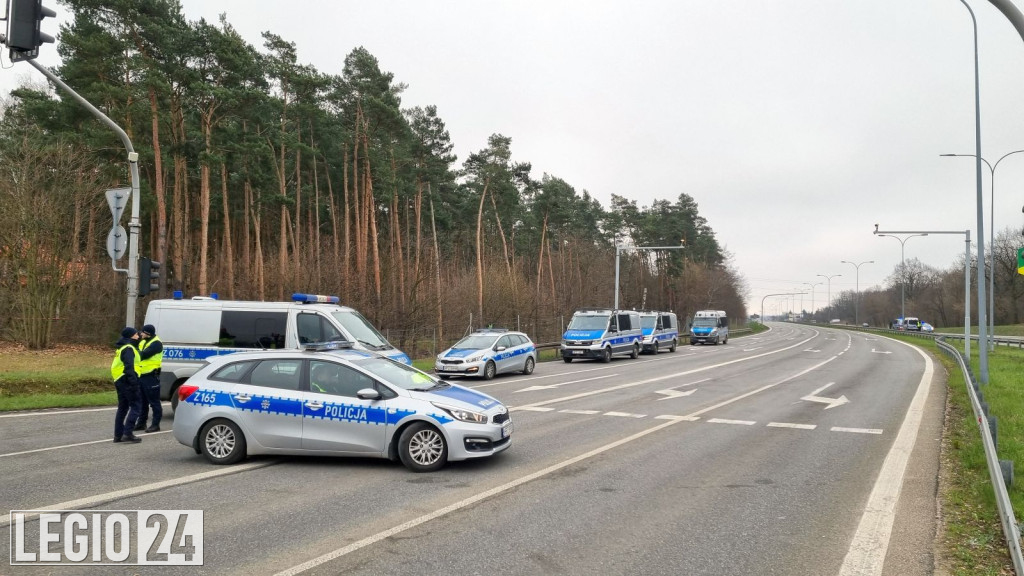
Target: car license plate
{"points": [[578, 352], [506, 429]]}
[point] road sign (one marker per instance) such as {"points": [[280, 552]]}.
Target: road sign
{"points": [[117, 198], [117, 242], [1020, 260]]}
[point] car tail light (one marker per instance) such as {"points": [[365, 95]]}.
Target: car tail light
{"points": [[186, 390]]}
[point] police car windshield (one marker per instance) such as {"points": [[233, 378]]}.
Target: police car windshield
{"points": [[705, 322], [361, 329], [648, 321], [398, 374], [475, 342], [588, 322]]}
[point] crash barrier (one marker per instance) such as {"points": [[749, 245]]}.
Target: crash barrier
{"points": [[1000, 472]]}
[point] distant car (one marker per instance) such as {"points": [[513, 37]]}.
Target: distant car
{"points": [[912, 324], [335, 403], [865, 325], [926, 327], [487, 352]]}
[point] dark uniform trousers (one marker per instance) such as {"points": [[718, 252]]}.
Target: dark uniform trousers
{"points": [[129, 404], [150, 384]]}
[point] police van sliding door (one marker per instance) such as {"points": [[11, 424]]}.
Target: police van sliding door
{"points": [[335, 418], [270, 404]]}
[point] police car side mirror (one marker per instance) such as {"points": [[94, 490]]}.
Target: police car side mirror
{"points": [[368, 394], [499, 349]]}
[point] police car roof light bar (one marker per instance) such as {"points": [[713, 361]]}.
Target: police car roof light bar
{"points": [[314, 298], [492, 330], [326, 346]]}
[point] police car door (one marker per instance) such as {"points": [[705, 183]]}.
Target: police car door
{"points": [[336, 420], [503, 355], [269, 403]]}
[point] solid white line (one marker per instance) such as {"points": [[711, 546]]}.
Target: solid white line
{"points": [[60, 412], [370, 540], [529, 409], [726, 421], [866, 555], [588, 412], [108, 440], [98, 499], [790, 425], [857, 430]]}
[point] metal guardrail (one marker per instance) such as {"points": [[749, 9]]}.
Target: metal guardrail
{"points": [[995, 467]]}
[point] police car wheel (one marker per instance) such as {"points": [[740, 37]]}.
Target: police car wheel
{"points": [[566, 359], [656, 348], [636, 352], [606, 355], [672, 346], [222, 442], [528, 367], [489, 370], [174, 399], [422, 448]]}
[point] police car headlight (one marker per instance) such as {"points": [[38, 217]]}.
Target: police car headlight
{"points": [[463, 415], [475, 358]]}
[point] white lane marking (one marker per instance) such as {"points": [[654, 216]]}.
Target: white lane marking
{"points": [[670, 393], [500, 381], [530, 408], [752, 349], [678, 374], [857, 430], [812, 350], [586, 412], [881, 351], [550, 386], [109, 440], [680, 418], [726, 421], [791, 425], [440, 512], [866, 555], [625, 414], [91, 501], [832, 402], [61, 412]]}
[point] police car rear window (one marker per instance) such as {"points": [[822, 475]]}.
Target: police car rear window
{"points": [[233, 372]]}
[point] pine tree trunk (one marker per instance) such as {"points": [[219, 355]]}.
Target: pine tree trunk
{"points": [[437, 270], [158, 188], [204, 203], [229, 252], [480, 254]]}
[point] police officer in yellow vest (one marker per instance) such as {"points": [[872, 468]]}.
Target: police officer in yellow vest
{"points": [[124, 370], [151, 350]]}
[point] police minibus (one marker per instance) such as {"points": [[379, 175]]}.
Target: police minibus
{"points": [[195, 329], [602, 333], [660, 330], [709, 326]]}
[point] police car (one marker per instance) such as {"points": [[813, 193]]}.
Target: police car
{"points": [[487, 352], [332, 401]]}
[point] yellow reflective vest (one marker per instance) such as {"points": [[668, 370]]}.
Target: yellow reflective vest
{"points": [[147, 365], [117, 367]]}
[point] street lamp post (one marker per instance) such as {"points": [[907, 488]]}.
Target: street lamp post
{"points": [[967, 281], [829, 302], [903, 270], [812, 285], [991, 242], [856, 302], [619, 248], [779, 294]]}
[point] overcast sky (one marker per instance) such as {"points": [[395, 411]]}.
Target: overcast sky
{"points": [[796, 125]]}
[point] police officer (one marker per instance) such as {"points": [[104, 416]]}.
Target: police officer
{"points": [[151, 350], [126, 381]]}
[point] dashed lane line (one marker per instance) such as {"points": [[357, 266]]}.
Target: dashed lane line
{"points": [[792, 425], [857, 430], [107, 440], [727, 421]]}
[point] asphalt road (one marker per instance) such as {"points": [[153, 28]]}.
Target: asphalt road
{"points": [[803, 450]]}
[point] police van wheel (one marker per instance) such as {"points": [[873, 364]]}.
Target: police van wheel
{"points": [[222, 442], [566, 359], [528, 367], [606, 356], [672, 346], [489, 370], [422, 448], [636, 352]]}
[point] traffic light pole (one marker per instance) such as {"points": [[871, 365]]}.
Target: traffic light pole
{"points": [[134, 225]]}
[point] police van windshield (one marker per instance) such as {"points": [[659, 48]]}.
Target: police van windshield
{"points": [[360, 329], [704, 322], [398, 374], [475, 342], [589, 322], [648, 322]]}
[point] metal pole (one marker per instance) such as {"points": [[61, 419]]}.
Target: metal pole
{"points": [[856, 302], [133, 163], [617, 250], [829, 303]]}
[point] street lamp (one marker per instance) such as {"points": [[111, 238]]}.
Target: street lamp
{"points": [[967, 281], [903, 270], [856, 302], [779, 294], [829, 304], [991, 242], [619, 248], [812, 285]]}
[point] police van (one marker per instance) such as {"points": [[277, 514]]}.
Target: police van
{"points": [[660, 330], [199, 328], [602, 333], [709, 326]]}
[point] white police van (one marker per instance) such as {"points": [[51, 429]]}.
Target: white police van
{"points": [[709, 326], [202, 327], [602, 333], [660, 330]]}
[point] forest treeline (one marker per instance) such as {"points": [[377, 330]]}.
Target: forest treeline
{"points": [[262, 176]]}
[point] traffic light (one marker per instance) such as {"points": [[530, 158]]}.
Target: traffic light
{"points": [[23, 28], [149, 276]]}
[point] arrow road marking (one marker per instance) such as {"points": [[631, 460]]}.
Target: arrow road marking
{"points": [[670, 394], [832, 402]]}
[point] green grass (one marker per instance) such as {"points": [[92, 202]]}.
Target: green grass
{"points": [[1007, 330]]}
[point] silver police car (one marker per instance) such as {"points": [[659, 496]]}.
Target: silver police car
{"points": [[487, 352], [335, 403]]}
